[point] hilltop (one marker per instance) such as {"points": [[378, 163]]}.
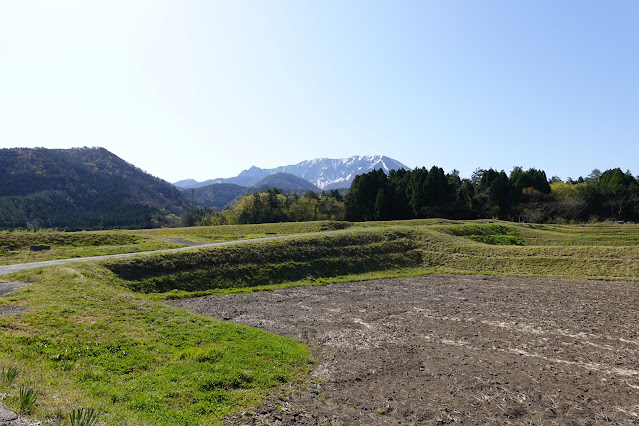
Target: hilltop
{"points": [[286, 181], [81, 188]]}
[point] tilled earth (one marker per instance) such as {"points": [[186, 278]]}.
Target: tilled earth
{"points": [[452, 349]]}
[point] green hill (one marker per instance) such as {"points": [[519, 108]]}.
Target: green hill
{"points": [[286, 182], [220, 195], [217, 195], [81, 188]]}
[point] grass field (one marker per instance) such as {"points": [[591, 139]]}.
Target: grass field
{"points": [[14, 246], [98, 335], [87, 342]]}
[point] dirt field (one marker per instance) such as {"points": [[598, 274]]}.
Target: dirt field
{"points": [[453, 349]]}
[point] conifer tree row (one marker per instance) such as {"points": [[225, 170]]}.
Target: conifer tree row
{"points": [[521, 196]]}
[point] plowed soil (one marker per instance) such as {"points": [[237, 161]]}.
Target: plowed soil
{"points": [[452, 349]]}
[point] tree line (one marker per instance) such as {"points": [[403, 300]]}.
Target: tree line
{"points": [[522, 195], [271, 206]]}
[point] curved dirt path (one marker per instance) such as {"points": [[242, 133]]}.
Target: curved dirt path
{"points": [[8, 269], [452, 349]]}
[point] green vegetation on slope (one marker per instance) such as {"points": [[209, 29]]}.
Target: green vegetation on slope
{"points": [[21, 240], [217, 195], [604, 252], [521, 196], [81, 188], [270, 262], [415, 247], [273, 206], [14, 246], [580, 235], [485, 233], [85, 341]]}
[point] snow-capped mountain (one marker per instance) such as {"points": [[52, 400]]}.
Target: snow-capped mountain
{"points": [[329, 173], [325, 173]]}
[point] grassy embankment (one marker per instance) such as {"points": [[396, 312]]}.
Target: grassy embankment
{"points": [[98, 335], [14, 246], [602, 252]]}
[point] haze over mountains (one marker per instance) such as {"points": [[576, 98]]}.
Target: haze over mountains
{"points": [[324, 173]]}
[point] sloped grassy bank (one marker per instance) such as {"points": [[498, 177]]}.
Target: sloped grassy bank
{"points": [[599, 252], [14, 246], [271, 262]]}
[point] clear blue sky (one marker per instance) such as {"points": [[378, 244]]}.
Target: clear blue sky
{"points": [[205, 89]]}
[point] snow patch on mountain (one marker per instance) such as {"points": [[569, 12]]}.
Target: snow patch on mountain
{"points": [[325, 173]]}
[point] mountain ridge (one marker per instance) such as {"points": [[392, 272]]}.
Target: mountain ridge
{"points": [[325, 173]]}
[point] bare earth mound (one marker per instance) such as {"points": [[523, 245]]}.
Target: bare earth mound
{"points": [[446, 349]]}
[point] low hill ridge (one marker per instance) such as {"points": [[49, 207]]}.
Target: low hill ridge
{"points": [[220, 195], [286, 181]]}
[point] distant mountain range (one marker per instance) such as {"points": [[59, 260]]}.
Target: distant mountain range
{"points": [[323, 173]]}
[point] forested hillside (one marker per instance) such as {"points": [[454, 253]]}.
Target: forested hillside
{"points": [[216, 195], [221, 195], [285, 182], [81, 188], [273, 206]]}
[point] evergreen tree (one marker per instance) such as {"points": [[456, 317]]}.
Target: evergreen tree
{"points": [[619, 190], [359, 203], [397, 184], [416, 190]]}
